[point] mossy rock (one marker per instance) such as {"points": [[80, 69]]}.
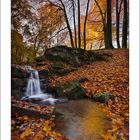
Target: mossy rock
{"points": [[60, 70], [18, 73], [43, 73], [71, 90], [17, 87], [103, 97], [73, 56], [57, 66], [40, 59]]}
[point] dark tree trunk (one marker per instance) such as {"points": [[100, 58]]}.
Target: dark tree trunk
{"points": [[109, 44], [124, 29], [74, 22], [117, 25], [84, 34], [68, 25], [105, 36], [79, 30]]}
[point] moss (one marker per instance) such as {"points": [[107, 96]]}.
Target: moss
{"points": [[103, 97], [71, 90], [40, 59]]}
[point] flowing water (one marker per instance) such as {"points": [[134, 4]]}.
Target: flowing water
{"points": [[33, 86], [81, 120], [78, 119], [33, 90]]}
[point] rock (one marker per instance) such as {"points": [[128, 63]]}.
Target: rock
{"points": [[109, 54], [60, 69], [72, 56], [62, 72], [57, 66], [19, 73], [59, 53], [38, 99], [83, 79], [43, 73], [17, 87], [31, 113], [70, 90], [19, 78], [65, 54], [40, 59], [103, 97], [59, 101], [31, 109]]}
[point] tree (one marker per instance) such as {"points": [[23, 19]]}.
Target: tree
{"points": [[74, 23], [125, 23], [106, 23], [20, 11], [48, 24], [85, 24], [118, 12], [117, 25], [60, 4], [67, 22], [79, 23], [108, 29], [17, 47]]}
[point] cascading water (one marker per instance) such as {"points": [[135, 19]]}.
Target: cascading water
{"points": [[33, 90], [33, 86]]}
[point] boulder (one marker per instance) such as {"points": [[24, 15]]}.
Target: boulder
{"points": [[70, 90], [40, 59], [43, 73], [73, 56], [17, 87], [57, 66], [82, 79], [18, 72], [31, 109], [65, 54], [19, 78], [60, 70], [103, 97]]}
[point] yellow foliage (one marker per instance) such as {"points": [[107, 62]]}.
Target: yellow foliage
{"points": [[26, 133]]}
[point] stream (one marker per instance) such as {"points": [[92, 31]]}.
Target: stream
{"points": [[76, 119], [81, 120]]}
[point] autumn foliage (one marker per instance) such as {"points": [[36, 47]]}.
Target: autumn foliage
{"points": [[100, 26], [108, 76]]}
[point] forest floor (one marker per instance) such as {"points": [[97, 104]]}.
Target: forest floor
{"points": [[112, 76], [103, 76]]}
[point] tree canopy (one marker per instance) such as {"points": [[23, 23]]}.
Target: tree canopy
{"points": [[86, 24]]}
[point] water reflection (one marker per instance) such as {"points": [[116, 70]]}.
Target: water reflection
{"points": [[81, 120]]}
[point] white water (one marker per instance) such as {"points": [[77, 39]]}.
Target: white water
{"points": [[33, 90], [33, 86]]}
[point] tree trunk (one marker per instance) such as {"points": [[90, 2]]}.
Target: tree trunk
{"points": [[109, 44], [85, 24], [79, 30], [105, 36], [124, 29], [74, 23], [68, 25], [117, 25]]}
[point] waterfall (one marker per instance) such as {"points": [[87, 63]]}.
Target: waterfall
{"points": [[33, 89], [33, 86]]}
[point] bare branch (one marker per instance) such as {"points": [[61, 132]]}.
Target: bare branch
{"points": [[58, 32], [120, 7]]}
